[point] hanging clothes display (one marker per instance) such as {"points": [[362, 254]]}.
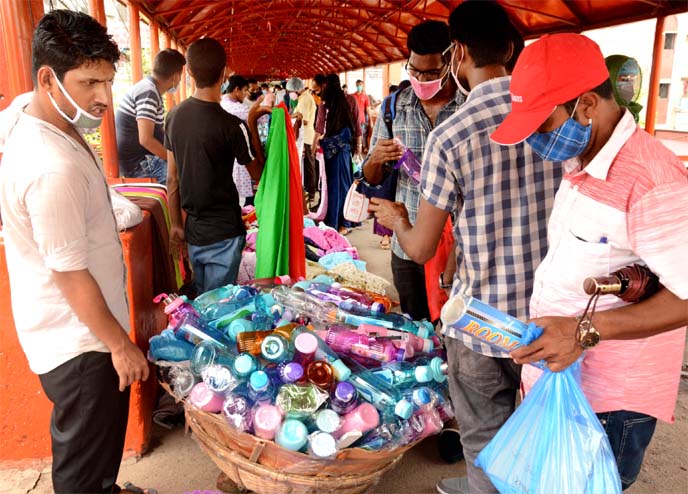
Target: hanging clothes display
{"points": [[280, 246]]}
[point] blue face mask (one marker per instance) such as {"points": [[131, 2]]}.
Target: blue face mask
{"points": [[563, 143]]}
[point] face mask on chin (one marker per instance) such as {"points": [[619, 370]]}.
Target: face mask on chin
{"points": [[82, 119], [455, 75], [567, 141]]}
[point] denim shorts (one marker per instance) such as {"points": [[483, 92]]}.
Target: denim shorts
{"points": [[629, 435]]}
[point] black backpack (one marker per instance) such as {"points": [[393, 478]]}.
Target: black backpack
{"points": [[386, 189]]}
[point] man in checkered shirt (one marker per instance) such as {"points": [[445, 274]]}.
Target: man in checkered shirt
{"points": [[501, 198]]}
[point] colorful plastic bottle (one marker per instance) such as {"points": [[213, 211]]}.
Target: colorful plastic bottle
{"points": [[237, 410], [420, 345], [422, 398], [321, 374], [244, 365], [327, 421], [322, 445], [327, 354], [300, 401], [487, 324], [290, 372], [343, 398], [192, 329], [266, 421], [219, 379], [363, 418], [210, 353], [341, 339], [404, 374], [239, 325], [432, 423], [175, 307], [386, 398], [276, 348], [305, 347], [250, 341], [317, 311], [260, 388], [181, 381], [237, 298], [203, 398], [378, 349], [292, 435], [355, 317]]}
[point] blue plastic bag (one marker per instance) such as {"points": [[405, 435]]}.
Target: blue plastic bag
{"points": [[553, 442]]}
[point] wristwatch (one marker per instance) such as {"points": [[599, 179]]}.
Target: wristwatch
{"points": [[586, 334], [444, 286]]}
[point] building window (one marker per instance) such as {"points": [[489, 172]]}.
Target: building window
{"points": [[669, 41], [664, 90]]}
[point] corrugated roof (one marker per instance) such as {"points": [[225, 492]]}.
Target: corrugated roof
{"points": [[280, 38]]}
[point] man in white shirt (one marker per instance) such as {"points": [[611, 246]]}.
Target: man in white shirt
{"points": [[64, 257], [304, 115]]}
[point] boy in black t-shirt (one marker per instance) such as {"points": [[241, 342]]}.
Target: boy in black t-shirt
{"points": [[202, 142]]}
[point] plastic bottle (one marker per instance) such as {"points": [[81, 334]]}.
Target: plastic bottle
{"points": [[266, 421], [327, 421], [343, 398], [317, 311], [327, 354], [203, 398], [300, 400], [237, 298], [422, 398], [239, 325], [404, 374], [487, 324], [260, 388], [181, 381], [244, 365], [386, 398], [305, 347], [219, 379], [261, 318], [192, 329], [292, 435], [210, 353], [321, 374], [438, 367], [378, 349], [432, 423], [355, 317], [290, 372], [322, 445], [175, 307], [237, 410], [250, 341], [276, 348], [341, 339], [420, 345], [363, 418]]}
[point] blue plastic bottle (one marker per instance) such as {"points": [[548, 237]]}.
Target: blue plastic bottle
{"points": [[404, 374], [244, 365], [238, 298], [192, 329], [292, 435], [383, 396], [260, 388]]}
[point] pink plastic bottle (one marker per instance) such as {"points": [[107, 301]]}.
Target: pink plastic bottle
{"points": [[176, 308], [381, 350], [432, 423], [267, 421], [340, 339], [203, 398], [419, 345], [305, 346], [363, 418]]}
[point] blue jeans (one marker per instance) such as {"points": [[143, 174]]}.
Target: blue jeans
{"points": [[217, 264], [629, 435], [151, 167]]}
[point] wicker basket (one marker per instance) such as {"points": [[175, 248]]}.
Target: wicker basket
{"points": [[266, 468]]}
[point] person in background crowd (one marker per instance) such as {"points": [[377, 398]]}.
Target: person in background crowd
{"points": [[363, 103], [501, 198], [64, 256], [203, 141], [431, 98], [139, 119], [319, 84], [304, 115], [623, 200], [233, 103], [254, 92]]}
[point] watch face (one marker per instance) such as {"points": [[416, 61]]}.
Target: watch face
{"points": [[590, 339]]}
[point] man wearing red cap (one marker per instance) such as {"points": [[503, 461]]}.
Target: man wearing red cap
{"points": [[624, 200], [501, 198]]}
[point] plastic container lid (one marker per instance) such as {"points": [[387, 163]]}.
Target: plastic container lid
{"points": [[273, 347], [425, 329], [292, 372], [377, 307], [400, 354], [306, 343], [341, 371], [293, 435], [428, 346], [259, 380], [422, 396], [345, 391], [239, 326], [323, 445], [423, 374], [438, 368], [403, 409], [327, 420], [266, 421], [303, 285], [244, 364], [173, 305]]}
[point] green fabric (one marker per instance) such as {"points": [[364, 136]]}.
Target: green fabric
{"points": [[272, 203]]}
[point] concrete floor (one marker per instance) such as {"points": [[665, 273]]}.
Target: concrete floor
{"points": [[176, 465]]}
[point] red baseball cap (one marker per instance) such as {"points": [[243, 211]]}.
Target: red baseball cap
{"points": [[553, 70]]}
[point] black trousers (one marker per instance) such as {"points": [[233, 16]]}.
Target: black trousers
{"points": [[88, 423], [311, 172], [409, 280]]}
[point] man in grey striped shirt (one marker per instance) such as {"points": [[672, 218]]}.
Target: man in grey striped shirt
{"points": [[140, 116]]}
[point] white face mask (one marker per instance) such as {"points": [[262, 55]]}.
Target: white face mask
{"points": [[82, 119], [455, 75]]}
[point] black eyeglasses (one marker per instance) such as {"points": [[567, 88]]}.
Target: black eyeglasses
{"points": [[429, 75]]}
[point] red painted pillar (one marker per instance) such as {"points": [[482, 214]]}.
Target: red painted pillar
{"points": [[107, 130], [169, 100], [135, 43], [154, 40], [653, 94]]}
